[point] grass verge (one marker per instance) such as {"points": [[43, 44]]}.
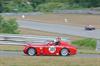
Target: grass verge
{"points": [[11, 48], [48, 61], [88, 51]]}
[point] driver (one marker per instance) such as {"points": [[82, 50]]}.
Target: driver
{"points": [[58, 39], [50, 42]]}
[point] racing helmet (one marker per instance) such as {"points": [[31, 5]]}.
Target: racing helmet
{"points": [[58, 38]]}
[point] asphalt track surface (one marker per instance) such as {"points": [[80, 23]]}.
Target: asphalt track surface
{"points": [[20, 54], [62, 29]]}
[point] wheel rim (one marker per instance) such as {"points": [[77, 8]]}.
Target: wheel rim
{"points": [[31, 51], [64, 52]]}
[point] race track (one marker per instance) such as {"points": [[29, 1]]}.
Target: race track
{"points": [[62, 29], [19, 54]]}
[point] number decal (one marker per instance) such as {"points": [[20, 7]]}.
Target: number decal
{"points": [[52, 49]]}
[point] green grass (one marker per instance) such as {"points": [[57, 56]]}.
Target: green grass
{"points": [[48, 61], [87, 42], [11, 48], [88, 51]]}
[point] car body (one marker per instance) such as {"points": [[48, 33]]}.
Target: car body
{"points": [[49, 48], [89, 27]]}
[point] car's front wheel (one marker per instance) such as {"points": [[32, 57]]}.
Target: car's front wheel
{"points": [[31, 51], [64, 52]]}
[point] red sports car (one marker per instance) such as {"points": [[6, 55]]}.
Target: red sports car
{"points": [[50, 48]]}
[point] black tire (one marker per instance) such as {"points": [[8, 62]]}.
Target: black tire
{"points": [[64, 52], [93, 28], [31, 51]]}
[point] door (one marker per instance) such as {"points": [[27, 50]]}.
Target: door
{"points": [[49, 50]]}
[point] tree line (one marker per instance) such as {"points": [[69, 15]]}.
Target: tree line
{"points": [[45, 5]]}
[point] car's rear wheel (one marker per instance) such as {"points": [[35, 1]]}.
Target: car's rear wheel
{"points": [[31, 51], [64, 52]]}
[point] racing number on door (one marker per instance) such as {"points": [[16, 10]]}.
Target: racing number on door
{"points": [[52, 49]]}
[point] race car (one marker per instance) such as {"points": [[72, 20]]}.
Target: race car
{"points": [[89, 27], [50, 48]]}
